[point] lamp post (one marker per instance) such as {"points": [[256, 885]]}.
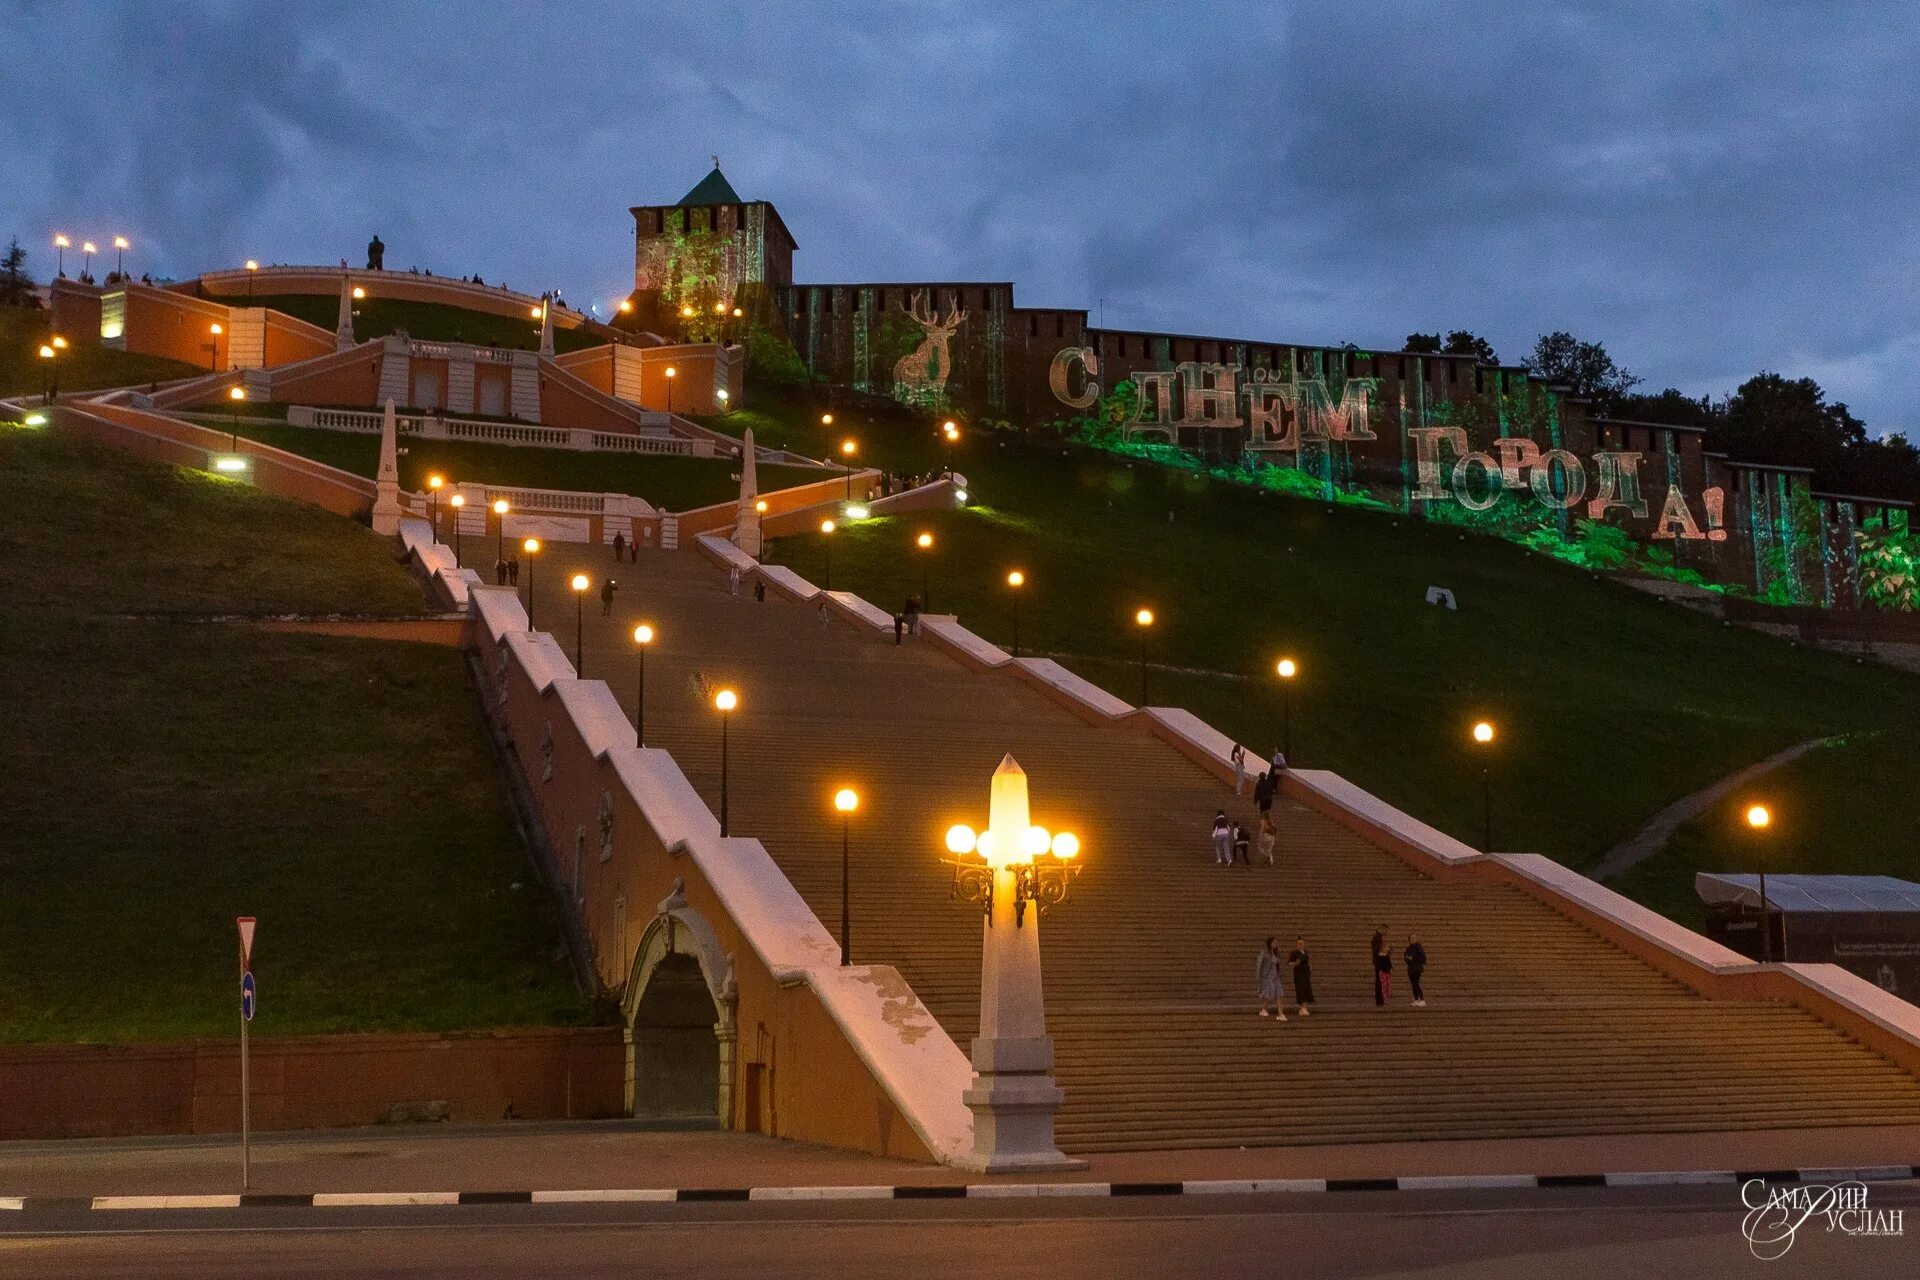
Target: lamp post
{"points": [[579, 584], [48, 384], [951, 430], [848, 448], [434, 484], [925, 543], [120, 247], [724, 702], [1286, 669], [672, 373], [1143, 622], [86, 260], [500, 509], [457, 501], [252, 267], [642, 637], [213, 347], [826, 534], [236, 396], [1009, 867], [1015, 581], [845, 801], [1483, 735], [1759, 818], [60, 246], [532, 547]]}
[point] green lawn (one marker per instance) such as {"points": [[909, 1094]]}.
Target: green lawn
{"points": [[83, 366], [1610, 704], [166, 773], [670, 483], [375, 317]]}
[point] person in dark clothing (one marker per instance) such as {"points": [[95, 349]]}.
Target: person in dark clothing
{"points": [[376, 255], [619, 547], [1302, 966], [1242, 841], [912, 615], [760, 590], [1382, 967], [513, 571], [500, 572], [1263, 792], [1416, 958], [899, 625], [606, 597]]}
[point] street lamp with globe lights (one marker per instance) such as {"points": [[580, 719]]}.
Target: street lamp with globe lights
{"points": [[1143, 623], [950, 430], [87, 250], [213, 347], [531, 547], [642, 637], [580, 582], [1016, 581], [826, 533], [457, 501], [435, 483], [236, 396], [1286, 669], [925, 543], [50, 385], [671, 373], [845, 801], [848, 448], [500, 509], [60, 245], [1483, 736], [724, 702], [120, 246], [1759, 818], [252, 267]]}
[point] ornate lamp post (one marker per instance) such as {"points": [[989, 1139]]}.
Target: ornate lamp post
{"points": [[532, 548], [1286, 669], [845, 801], [1006, 867], [925, 543], [1015, 581], [1143, 622], [724, 702], [1759, 818], [580, 583], [642, 637], [457, 501], [826, 532], [1483, 735], [951, 431]]}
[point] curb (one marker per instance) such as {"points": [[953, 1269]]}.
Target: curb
{"points": [[964, 1191]]}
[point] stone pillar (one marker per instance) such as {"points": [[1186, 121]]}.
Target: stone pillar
{"points": [[1013, 1097], [546, 326], [746, 518], [386, 501], [343, 330]]}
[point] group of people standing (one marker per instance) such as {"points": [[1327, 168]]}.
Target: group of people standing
{"points": [[1271, 966]]}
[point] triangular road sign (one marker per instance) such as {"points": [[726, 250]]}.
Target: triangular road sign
{"points": [[246, 941]]}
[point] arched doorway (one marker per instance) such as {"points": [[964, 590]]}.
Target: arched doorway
{"points": [[679, 1011]]}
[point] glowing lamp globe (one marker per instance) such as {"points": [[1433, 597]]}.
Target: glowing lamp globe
{"points": [[1287, 668], [1483, 732], [435, 481], [1036, 841], [457, 500], [725, 700], [846, 800], [500, 506], [924, 541], [1016, 579], [1759, 817], [961, 838], [827, 526], [643, 634], [531, 546], [358, 293], [580, 582], [1144, 618], [236, 393], [1066, 845]]}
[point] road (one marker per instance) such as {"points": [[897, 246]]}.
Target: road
{"points": [[1592, 1232]]}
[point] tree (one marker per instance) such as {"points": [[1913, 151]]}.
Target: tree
{"points": [[1788, 422], [1421, 344], [16, 286], [1671, 406], [1585, 367], [1462, 343]]}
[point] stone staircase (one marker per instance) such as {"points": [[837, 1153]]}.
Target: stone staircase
{"points": [[1534, 1025]]}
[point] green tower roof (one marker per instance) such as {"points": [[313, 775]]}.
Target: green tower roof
{"points": [[713, 189]]}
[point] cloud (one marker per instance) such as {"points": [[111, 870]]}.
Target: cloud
{"points": [[1708, 197]]}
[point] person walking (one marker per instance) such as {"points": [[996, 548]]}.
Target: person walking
{"points": [[759, 590], [1263, 793], [1273, 991], [1382, 968], [1263, 843], [606, 597], [912, 614], [619, 547], [513, 571], [500, 572], [1241, 841], [733, 580], [1239, 758], [1302, 965], [1222, 839], [1416, 957]]}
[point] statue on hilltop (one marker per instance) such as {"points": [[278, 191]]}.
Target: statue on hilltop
{"points": [[376, 255]]}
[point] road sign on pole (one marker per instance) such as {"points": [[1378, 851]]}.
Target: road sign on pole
{"points": [[246, 941], [246, 1015], [246, 996]]}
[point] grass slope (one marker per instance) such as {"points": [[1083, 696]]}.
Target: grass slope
{"points": [[166, 774], [670, 483], [83, 366], [1610, 704], [375, 317]]}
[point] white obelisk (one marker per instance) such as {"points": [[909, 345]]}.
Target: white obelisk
{"points": [[746, 515], [386, 492], [1013, 1097], [343, 331]]}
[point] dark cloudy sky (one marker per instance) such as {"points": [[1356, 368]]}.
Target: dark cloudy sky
{"points": [[1708, 189]]}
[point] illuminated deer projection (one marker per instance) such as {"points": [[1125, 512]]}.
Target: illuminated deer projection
{"points": [[920, 376]]}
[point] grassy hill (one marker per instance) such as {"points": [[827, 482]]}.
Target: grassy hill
{"points": [[83, 366], [375, 317], [166, 773], [1610, 704]]}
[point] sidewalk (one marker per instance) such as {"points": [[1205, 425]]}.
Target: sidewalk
{"points": [[616, 1155]]}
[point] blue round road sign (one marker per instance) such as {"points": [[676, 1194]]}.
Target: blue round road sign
{"points": [[246, 995]]}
